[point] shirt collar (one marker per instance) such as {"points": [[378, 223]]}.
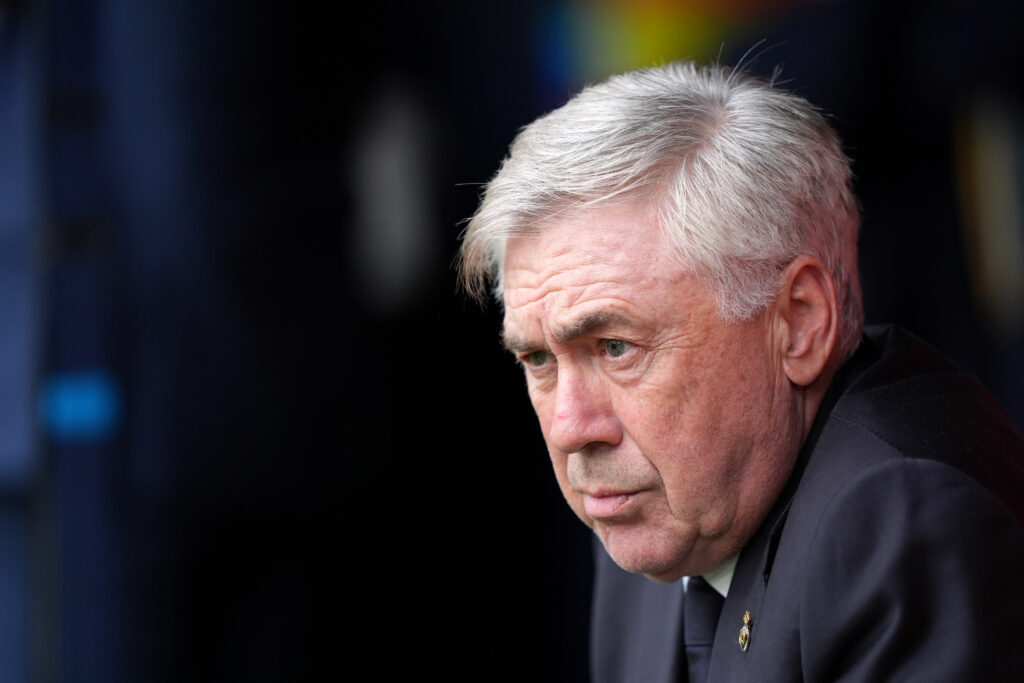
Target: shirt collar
{"points": [[719, 578]]}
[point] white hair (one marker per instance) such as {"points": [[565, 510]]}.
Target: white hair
{"points": [[744, 178]]}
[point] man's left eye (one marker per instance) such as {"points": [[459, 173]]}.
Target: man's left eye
{"points": [[615, 347]]}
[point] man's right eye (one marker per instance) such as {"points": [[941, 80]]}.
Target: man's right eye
{"points": [[537, 358]]}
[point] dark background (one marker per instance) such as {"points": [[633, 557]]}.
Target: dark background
{"points": [[252, 432]]}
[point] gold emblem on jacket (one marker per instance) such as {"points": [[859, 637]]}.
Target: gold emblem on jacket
{"points": [[744, 638]]}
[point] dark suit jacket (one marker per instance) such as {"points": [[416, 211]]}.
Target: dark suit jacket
{"points": [[896, 551]]}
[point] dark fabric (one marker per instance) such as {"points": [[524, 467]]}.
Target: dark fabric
{"points": [[635, 626], [894, 554], [701, 609]]}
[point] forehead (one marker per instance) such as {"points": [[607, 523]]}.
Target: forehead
{"points": [[580, 244], [613, 259]]}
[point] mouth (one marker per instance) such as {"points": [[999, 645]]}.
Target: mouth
{"points": [[606, 505]]}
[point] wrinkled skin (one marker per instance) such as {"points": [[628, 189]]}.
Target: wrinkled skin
{"points": [[670, 432]]}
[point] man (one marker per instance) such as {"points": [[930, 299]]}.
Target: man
{"points": [[780, 496]]}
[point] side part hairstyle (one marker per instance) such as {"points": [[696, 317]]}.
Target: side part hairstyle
{"points": [[743, 177]]}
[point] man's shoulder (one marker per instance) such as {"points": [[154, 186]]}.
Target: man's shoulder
{"points": [[874, 573], [907, 504], [908, 402]]}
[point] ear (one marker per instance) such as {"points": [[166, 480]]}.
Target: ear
{"points": [[808, 315]]}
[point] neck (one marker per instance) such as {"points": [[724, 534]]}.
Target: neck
{"points": [[814, 395]]}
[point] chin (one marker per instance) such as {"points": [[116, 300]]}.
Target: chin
{"points": [[656, 559], [669, 576]]}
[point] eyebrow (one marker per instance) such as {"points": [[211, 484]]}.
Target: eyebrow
{"points": [[516, 344], [564, 334], [586, 325]]}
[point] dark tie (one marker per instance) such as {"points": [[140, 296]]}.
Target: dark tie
{"points": [[701, 608]]}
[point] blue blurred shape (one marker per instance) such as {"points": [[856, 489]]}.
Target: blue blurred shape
{"points": [[81, 406], [557, 52]]}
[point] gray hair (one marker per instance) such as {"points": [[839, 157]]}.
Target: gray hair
{"points": [[744, 177]]}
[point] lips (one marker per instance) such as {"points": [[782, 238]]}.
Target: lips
{"points": [[605, 505]]}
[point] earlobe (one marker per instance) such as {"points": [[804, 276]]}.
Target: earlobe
{"points": [[808, 313]]}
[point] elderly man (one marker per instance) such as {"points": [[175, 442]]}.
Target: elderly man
{"points": [[675, 250]]}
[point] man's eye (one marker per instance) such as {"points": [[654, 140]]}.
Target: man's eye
{"points": [[615, 347], [538, 358]]}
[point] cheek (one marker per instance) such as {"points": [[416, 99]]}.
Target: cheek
{"points": [[560, 464], [682, 433], [540, 402], [660, 420], [542, 408]]}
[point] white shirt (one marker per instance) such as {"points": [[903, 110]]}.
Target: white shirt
{"points": [[721, 578]]}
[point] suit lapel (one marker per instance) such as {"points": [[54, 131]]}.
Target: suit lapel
{"points": [[746, 596]]}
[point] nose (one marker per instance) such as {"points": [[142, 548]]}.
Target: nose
{"points": [[584, 413]]}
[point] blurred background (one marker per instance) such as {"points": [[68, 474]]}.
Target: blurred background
{"points": [[249, 429]]}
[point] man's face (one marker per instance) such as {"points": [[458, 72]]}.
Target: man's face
{"points": [[671, 433]]}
